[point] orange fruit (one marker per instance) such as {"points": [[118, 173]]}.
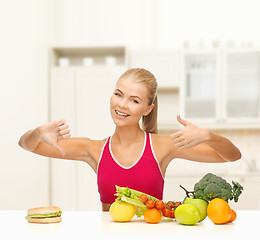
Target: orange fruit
{"points": [[233, 216], [218, 211], [152, 215]]}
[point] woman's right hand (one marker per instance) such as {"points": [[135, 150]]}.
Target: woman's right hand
{"points": [[52, 132]]}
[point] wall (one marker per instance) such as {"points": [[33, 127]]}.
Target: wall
{"points": [[193, 21], [26, 33], [157, 23], [166, 24], [101, 22], [29, 27]]}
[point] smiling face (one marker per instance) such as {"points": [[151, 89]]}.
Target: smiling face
{"points": [[129, 102]]}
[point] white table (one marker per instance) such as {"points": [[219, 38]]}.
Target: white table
{"points": [[98, 225]]}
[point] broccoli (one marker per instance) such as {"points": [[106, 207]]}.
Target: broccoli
{"points": [[212, 186]]}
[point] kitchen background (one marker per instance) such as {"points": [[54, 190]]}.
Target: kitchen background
{"points": [[59, 56]]}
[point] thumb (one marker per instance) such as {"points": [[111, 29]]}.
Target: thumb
{"points": [[182, 121]]}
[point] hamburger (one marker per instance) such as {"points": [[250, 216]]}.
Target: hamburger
{"points": [[44, 215]]}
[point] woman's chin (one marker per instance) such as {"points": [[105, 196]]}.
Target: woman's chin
{"points": [[119, 123]]}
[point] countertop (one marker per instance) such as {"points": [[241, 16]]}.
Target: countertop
{"points": [[99, 225]]}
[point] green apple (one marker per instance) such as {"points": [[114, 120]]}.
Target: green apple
{"points": [[200, 204], [187, 214]]}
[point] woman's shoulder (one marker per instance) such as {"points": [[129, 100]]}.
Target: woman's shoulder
{"points": [[159, 139], [162, 145], [93, 144], [93, 147]]}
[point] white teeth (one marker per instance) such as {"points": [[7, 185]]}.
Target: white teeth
{"points": [[122, 114]]}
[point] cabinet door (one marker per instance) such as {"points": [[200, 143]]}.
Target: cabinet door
{"points": [[250, 183], [94, 87], [62, 105], [251, 191], [242, 85], [164, 65], [200, 85]]}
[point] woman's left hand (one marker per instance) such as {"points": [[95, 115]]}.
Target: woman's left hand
{"points": [[190, 136]]}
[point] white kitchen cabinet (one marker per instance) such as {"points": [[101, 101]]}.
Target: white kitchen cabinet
{"points": [[241, 85], [94, 88], [199, 89], [221, 87], [81, 94], [248, 200], [62, 104], [250, 197], [163, 64]]}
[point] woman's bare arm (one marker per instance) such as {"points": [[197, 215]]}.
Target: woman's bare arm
{"points": [[202, 145], [53, 140], [50, 134]]}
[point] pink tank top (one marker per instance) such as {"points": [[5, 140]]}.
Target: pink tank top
{"points": [[144, 175]]}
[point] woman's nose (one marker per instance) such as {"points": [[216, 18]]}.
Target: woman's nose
{"points": [[123, 103]]}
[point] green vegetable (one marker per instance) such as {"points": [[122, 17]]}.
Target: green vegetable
{"points": [[131, 196], [128, 192], [237, 190], [134, 202], [44, 215], [212, 186]]}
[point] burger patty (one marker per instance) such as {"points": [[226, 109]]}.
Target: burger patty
{"points": [[46, 217]]}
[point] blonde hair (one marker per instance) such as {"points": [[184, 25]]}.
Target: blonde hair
{"points": [[141, 75]]}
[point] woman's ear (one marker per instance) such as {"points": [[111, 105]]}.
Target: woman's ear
{"points": [[150, 108]]}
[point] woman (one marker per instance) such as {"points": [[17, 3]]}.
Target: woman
{"points": [[133, 157]]}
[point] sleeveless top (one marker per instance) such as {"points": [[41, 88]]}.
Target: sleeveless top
{"points": [[144, 175]]}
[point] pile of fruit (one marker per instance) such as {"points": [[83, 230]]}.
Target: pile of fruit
{"points": [[157, 209], [209, 198]]}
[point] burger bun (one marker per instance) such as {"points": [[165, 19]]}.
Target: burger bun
{"points": [[44, 210], [44, 220]]}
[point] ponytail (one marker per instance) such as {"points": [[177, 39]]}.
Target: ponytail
{"points": [[149, 122]]}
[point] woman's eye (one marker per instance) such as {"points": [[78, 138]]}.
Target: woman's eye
{"points": [[135, 101], [118, 94]]}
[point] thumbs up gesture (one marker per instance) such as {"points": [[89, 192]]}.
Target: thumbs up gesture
{"points": [[190, 136]]}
